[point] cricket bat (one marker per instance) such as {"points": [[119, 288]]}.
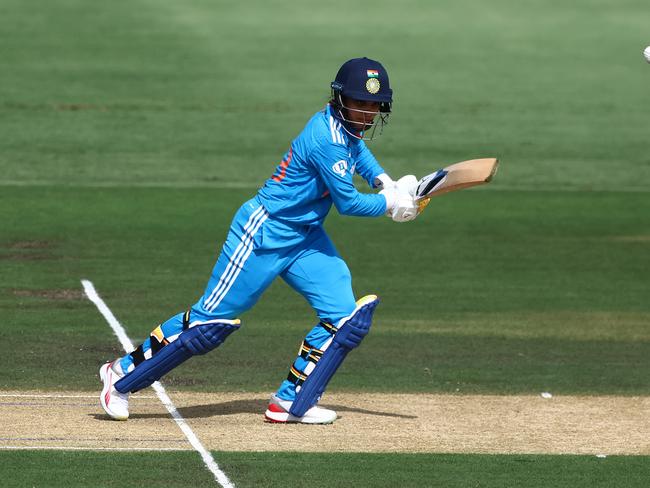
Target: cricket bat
{"points": [[455, 177]]}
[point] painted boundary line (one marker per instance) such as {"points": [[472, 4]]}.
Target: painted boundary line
{"points": [[209, 461]]}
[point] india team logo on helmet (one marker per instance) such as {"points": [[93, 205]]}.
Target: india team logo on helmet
{"points": [[373, 85]]}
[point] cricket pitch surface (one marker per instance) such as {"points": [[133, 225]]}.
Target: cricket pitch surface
{"points": [[606, 425]]}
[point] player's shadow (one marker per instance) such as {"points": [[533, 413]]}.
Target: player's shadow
{"points": [[364, 411], [254, 406]]}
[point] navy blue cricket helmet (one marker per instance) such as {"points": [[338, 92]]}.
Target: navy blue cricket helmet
{"points": [[362, 79]]}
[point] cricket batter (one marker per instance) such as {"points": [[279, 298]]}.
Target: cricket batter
{"points": [[280, 232]]}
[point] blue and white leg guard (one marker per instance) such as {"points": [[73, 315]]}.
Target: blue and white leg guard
{"points": [[194, 340], [349, 334]]}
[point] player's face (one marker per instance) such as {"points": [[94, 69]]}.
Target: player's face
{"points": [[361, 113]]}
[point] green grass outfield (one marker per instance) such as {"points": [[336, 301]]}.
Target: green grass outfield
{"points": [[99, 469], [131, 131], [495, 292]]}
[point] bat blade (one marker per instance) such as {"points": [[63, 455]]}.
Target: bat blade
{"points": [[457, 177]]}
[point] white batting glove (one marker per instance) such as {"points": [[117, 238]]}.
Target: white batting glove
{"points": [[405, 208], [407, 184], [400, 205], [391, 195], [384, 181]]}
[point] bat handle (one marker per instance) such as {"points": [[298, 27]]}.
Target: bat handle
{"points": [[423, 203]]}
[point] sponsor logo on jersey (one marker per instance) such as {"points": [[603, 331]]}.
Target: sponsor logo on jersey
{"points": [[340, 167]]}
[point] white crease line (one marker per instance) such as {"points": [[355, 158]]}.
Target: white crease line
{"points": [[38, 395], [130, 184], [209, 461], [62, 448]]}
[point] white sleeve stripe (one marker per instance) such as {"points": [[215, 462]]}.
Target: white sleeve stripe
{"points": [[339, 133], [335, 129], [332, 129]]}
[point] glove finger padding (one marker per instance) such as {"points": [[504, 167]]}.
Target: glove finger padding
{"points": [[400, 199], [391, 195], [405, 209], [407, 184]]}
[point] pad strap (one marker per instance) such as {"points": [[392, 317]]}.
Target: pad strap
{"points": [[296, 377], [186, 319], [308, 353], [328, 327]]}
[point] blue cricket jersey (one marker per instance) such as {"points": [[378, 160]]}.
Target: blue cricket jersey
{"points": [[317, 171]]}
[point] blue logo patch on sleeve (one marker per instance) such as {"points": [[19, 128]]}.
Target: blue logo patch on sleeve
{"points": [[340, 167]]}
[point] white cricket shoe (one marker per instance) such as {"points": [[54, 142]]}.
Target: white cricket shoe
{"points": [[113, 402], [278, 412]]}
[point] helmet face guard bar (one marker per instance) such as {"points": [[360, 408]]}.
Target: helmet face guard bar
{"points": [[375, 119]]}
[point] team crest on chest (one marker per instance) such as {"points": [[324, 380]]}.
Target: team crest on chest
{"points": [[340, 167], [373, 85]]}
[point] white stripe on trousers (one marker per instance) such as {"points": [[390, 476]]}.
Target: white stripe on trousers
{"points": [[238, 265], [237, 260], [251, 220]]}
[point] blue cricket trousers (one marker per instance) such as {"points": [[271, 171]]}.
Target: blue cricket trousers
{"points": [[257, 250]]}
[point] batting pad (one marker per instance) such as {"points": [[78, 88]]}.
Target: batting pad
{"points": [[198, 339], [351, 332]]}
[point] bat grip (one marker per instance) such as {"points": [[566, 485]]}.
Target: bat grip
{"points": [[423, 203]]}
